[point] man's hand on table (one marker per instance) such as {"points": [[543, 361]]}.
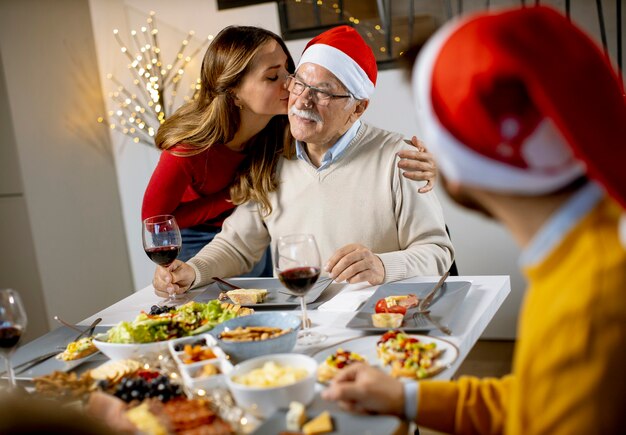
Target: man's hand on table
{"points": [[363, 388], [174, 279], [355, 263]]}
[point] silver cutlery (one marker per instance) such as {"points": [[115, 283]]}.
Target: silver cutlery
{"points": [[427, 301], [26, 365], [422, 315], [89, 331], [68, 324], [226, 283]]}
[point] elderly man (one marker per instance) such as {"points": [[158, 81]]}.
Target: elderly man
{"points": [[523, 111], [344, 186]]}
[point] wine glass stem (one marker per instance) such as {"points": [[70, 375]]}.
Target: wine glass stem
{"points": [[305, 320], [9, 370]]}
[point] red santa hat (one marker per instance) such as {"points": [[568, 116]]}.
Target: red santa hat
{"points": [[343, 52], [521, 101]]}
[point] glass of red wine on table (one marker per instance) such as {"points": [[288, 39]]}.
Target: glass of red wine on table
{"points": [[162, 242], [12, 325], [297, 263]]}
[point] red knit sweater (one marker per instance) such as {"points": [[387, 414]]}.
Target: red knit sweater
{"points": [[195, 189]]}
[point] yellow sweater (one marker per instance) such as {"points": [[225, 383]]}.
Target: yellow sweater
{"points": [[569, 370]]}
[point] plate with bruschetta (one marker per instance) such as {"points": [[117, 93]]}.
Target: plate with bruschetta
{"points": [[395, 305]]}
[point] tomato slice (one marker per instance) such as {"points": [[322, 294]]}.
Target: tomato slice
{"points": [[396, 309], [381, 306]]}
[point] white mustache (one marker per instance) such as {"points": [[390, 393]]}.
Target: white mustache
{"points": [[309, 115]]}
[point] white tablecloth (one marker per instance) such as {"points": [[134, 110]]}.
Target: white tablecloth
{"points": [[482, 301]]}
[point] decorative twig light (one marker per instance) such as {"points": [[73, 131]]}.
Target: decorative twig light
{"points": [[141, 108]]}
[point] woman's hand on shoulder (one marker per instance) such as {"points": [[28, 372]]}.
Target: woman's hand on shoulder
{"points": [[418, 165], [174, 279]]}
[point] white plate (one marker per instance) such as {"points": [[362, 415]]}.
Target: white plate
{"points": [[366, 347]]}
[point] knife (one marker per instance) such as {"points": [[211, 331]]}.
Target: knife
{"points": [[427, 301], [26, 365], [32, 363]]}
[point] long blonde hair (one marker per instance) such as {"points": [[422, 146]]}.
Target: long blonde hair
{"points": [[213, 117]]}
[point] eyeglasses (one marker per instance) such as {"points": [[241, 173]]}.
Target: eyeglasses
{"points": [[317, 95]]}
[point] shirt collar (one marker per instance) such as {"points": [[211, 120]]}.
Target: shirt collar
{"points": [[334, 152], [560, 223]]}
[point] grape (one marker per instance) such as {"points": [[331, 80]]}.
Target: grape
{"points": [[138, 388], [155, 310]]}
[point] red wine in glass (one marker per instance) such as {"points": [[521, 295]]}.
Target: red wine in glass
{"points": [[12, 325], [9, 337], [298, 265], [163, 256], [299, 279], [162, 241]]}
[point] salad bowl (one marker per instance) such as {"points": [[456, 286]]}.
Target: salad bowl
{"points": [[150, 333], [118, 351]]}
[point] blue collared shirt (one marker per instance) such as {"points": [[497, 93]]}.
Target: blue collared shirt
{"points": [[334, 152]]}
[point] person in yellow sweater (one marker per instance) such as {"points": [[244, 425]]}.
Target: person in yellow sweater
{"points": [[527, 122]]}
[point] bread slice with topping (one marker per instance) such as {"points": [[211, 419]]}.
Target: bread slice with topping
{"points": [[387, 320], [247, 296]]}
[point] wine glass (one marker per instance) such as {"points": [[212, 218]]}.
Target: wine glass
{"points": [[297, 263], [12, 325], [162, 242]]}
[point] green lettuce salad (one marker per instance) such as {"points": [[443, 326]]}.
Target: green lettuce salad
{"points": [[189, 319]]}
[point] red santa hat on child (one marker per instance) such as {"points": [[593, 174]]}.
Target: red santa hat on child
{"points": [[343, 52], [521, 101]]}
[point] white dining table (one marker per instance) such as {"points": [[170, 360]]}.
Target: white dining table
{"points": [[485, 296]]}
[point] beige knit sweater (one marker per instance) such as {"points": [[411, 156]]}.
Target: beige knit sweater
{"points": [[361, 198]]}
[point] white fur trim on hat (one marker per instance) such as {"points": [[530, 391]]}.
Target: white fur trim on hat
{"points": [[342, 66], [462, 164]]}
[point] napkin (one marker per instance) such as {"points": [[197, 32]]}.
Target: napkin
{"points": [[350, 298]]}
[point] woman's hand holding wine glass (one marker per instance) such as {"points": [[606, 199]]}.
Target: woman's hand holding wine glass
{"points": [[297, 262], [162, 243], [12, 326]]}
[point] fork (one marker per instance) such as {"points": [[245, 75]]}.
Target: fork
{"points": [[26, 365], [424, 319], [226, 283], [88, 331]]}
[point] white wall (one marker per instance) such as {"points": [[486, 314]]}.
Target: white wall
{"points": [[64, 247], [483, 248]]}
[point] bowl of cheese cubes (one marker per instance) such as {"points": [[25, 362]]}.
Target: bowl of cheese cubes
{"points": [[267, 383]]}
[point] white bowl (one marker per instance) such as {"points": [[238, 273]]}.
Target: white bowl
{"points": [[116, 351], [263, 402]]}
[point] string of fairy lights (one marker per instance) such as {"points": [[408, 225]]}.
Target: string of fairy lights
{"points": [[373, 32], [142, 107]]}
